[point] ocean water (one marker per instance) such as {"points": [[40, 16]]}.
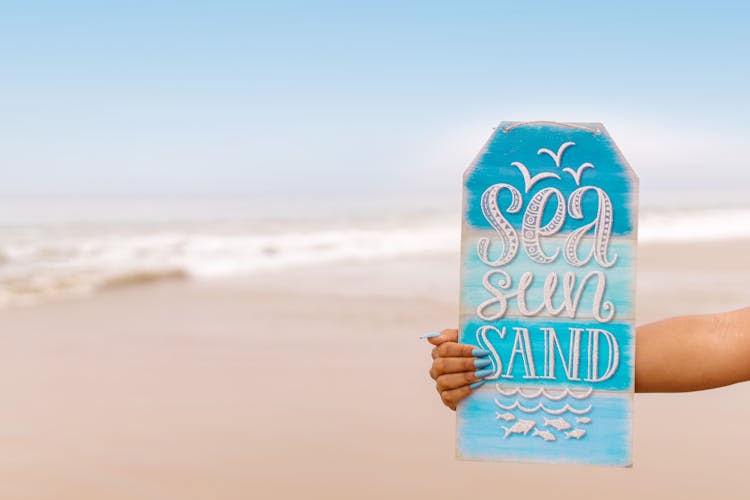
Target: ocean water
{"points": [[62, 246]]}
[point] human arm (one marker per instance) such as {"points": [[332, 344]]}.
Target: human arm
{"points": [[686, 353], [692, 353]]}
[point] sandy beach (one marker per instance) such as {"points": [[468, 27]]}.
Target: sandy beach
{"points": [[312, 383]]}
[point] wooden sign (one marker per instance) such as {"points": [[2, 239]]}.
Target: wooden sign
{"points": [[547, 288]]}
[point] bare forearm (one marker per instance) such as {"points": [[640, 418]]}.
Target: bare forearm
{"points": [[691, 353]]}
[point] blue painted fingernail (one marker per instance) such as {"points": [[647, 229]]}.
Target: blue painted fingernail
{"points": [[483, 373], [481, 362], [479, 353], [430, 335], [477, 384]]}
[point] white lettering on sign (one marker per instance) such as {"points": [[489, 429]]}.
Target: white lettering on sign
{"points": [[508, 236], [532, 229], [613, 355], [602, 226], [552, 346], [522, 346], [552, 351], [602, 310]]}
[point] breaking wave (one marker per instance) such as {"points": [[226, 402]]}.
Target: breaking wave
{"points": [[58, 254], [35, 264]]}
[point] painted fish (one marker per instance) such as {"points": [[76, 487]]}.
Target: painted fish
{"points": [[507, 416], [546, 435], [558, 423], [575, 433], [583, 420], [520, 427]]}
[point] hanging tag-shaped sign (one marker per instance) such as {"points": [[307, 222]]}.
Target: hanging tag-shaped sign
{"points": [[547, 287]]}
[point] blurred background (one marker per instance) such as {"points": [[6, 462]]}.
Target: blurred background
{"points": [[223, 226]]}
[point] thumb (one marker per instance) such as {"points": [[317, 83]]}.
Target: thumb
{"points": [[449, 335]]}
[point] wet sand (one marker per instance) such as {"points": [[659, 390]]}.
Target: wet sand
{"points": [[312, 383]]}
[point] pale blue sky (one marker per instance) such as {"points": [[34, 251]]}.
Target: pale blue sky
{"points": [[239, 97]]}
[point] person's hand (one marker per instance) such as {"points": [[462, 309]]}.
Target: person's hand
{"points": [[456, 368]]}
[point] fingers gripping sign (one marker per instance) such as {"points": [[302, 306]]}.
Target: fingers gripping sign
{"points": [[457, 369]]}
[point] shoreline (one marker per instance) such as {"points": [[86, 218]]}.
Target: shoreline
{"points": [[656, 262]]}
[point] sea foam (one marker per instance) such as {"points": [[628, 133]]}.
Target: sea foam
{"points": [[40, 260]]}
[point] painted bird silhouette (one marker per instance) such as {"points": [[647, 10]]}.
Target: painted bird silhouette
{"points": [[560, 151], [578, 172], [528, 180]]}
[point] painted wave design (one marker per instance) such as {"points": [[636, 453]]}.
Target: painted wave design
{"points": [[531, 401], [551, 394], [542, 407]]}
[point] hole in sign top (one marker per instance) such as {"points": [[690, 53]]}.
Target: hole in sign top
{"points": [[548, 253]]}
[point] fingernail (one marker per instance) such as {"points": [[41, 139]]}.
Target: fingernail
{"points": [[483, 373], [477, 384], [479, 353], [431, 335], [481, 362]]}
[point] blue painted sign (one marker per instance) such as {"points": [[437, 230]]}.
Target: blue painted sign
{"points": [[548, 288]]}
